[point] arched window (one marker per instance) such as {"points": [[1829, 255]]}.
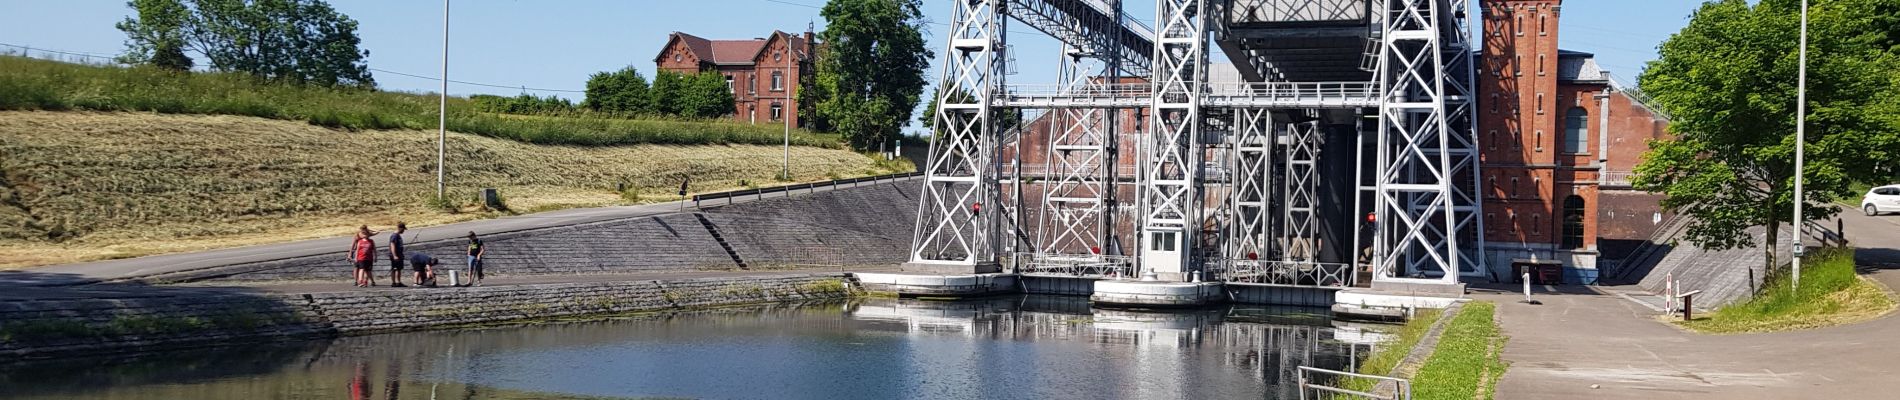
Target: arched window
{"points": [[1573, 222], [1577, 131]]}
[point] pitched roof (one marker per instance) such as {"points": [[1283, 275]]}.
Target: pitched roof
{"points": [[728, 52]]}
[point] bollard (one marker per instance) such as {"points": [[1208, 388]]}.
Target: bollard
{"points": [[1527, 291], [454, 279], [1687, 307]]}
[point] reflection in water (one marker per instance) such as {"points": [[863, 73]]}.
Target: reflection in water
{"points": [[1013, 347]]}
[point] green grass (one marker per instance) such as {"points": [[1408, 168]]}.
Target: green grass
{"points": [[1466, 365], [33, 84], [1393, 350], [1831, 293]]}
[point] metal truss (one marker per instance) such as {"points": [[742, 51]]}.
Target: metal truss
{"points": [[1080, 182], [1424, 144], [1249, 226], [1089, 265], [1087, 25], [961, 175], [1301, 190], [1171, 154]]}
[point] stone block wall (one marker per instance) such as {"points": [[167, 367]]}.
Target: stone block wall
{"points": [[861, 226], [188, 317]]}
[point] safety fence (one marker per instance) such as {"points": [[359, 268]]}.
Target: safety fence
{"points": [[1324, 384], [809, 187]]}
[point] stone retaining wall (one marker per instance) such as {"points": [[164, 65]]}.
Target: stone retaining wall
{"points": [[177, 318]]}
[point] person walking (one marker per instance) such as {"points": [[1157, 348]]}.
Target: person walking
{"points": [[395, 255], [475, 253], [363, 254], [424, 265]]}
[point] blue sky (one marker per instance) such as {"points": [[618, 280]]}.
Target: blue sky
{"points": [[556, 44]]}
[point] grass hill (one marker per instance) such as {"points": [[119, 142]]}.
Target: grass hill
{"points": [[78, 186], [104, 162]]}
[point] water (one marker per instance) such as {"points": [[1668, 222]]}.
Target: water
{"points": [[1018, 347]]}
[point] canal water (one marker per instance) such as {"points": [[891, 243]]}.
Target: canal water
{"points": [[1028, 347]]}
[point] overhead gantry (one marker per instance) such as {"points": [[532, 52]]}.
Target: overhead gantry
{"points": [[1225, 182]]}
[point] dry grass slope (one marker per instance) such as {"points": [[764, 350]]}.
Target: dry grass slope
{"points": [[80, 186]]}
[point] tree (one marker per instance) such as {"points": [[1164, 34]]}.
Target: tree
{"points": [[295, 41], [707, 95], [1728, 82], [872, 71], [156, 36], [668, 86], [623, 91]]}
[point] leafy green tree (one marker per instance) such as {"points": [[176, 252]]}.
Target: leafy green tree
{"points": [[156, 35], [664, 97], [707, 95], [296, 41], [872, 71], [624, 91], [1728, 82]]}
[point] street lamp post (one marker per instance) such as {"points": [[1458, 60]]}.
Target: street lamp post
{"points": [[1800, 140], [442, 113], [786, 111]]}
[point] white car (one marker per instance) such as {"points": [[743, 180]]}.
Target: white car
{"points": [[1881, 199]]}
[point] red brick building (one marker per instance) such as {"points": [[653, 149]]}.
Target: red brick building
{"points": [[763, 73], [1557, 141]]}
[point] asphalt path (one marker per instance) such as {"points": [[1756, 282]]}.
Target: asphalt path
{"points": [[1590, 343], [132, 268]]}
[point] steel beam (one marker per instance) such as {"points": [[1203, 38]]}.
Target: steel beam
{"points": [[1171, 154], [960, 176]]}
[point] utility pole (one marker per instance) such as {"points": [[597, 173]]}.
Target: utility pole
{"points": [[1800, 139], [442, 113], [787, 111]]}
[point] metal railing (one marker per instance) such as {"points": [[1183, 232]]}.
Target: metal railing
{"points": [[1399, 389], [808, 187], [1290, 273], [1090, 265], [1237, 94]]}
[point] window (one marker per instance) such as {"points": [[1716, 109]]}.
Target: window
{"points": [[778, 56], [1577, 131], [1542, 23], [1491, 187], [752, 83], [1514, 188], [1519, 26], [1517, 64], [1517, 140], [778, 80], [1163, 241], [676, 57], [1490, 217], [1491, 140], [1573, 222], [1494, 103], [1513, 216], [729, 87], [1537, 187], [1540, 65], [777, 111], [1540, 103], [1538, 141], [1537, 224]]}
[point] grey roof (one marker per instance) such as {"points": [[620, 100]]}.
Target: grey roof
{"points": [[1577, 66]]}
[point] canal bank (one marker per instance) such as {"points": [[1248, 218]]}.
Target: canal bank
{"points": [[101, 320]]}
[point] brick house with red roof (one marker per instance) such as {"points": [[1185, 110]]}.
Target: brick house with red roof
{"points": [[764, 82]]}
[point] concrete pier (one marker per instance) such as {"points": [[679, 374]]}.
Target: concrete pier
{"points": [[1157, 293], [933, 285]]}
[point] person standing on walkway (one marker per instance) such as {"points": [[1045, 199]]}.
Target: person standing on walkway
{"points": [[395, 255], [363, 254], [475, 253]]}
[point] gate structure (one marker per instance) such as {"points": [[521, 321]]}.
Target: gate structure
{"points": [[1229, 161]]}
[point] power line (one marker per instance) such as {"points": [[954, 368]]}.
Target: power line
{"points": [[478, 83]]}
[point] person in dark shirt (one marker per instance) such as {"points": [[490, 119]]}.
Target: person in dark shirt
{"points": [[475, 253], [395, 255], [425, 268]]}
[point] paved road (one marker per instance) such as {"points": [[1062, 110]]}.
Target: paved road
{"points": [[93, 272], [1581, 338]]}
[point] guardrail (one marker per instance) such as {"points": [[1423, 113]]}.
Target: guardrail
{"points": [[1093, 265], [1291, 273], [808, 187], [1401, 389]]}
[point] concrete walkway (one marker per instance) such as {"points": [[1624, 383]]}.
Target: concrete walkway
{"points": [[1581, 337], [93, 272]]}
